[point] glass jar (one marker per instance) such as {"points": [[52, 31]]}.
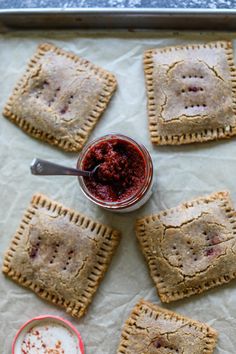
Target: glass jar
{"points": [[134, 201]]}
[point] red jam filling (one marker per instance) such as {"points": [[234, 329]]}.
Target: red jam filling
{"points": [[157, 343], [121, 171], [209, 252]]}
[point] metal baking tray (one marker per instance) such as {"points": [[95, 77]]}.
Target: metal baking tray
{"points": [[142, 18]]}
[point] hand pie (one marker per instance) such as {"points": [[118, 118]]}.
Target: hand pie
{"points": [[60, 98], [151, 329], [191, 93], [60, 254], [190, 248]]}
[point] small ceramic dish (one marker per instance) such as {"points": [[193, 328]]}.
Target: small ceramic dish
{"points": [[50, 334]]}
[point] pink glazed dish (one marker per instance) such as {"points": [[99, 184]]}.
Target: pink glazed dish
{"points": [[47, 335]]}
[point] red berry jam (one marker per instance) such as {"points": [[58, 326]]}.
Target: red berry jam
{"points": [[121, 172]]}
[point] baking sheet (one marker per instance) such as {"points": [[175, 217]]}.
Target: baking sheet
{"points": [[181, 173], [207, 19]]}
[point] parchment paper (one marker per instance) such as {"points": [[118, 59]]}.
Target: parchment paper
{"points": [[181, 174]]}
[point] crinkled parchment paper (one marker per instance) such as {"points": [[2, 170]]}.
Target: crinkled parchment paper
{"points": [[181, 173]]}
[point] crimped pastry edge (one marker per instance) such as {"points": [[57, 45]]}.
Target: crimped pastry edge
{"points": [[167, 297], [156, 311], [206, 134], [111, 241], [85, 130]]}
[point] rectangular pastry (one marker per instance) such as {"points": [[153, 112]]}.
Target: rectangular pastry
{"points": [[191, 93], [190, 248], [151, 329], [60, 254], [60, 97]]}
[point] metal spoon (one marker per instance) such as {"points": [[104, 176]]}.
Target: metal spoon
{"points": [[46, 168]]}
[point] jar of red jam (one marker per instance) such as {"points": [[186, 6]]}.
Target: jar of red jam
{"points": [[124, 179]]}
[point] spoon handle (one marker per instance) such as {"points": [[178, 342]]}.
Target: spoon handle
{"points": [[46, 168]]}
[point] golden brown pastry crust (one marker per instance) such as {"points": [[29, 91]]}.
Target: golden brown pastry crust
{"points": [[190, 248], [60, 254], [153, 330], [60, 97], [191, 93]]}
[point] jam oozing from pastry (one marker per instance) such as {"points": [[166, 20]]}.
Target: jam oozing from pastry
{"points": [[193, 89], [121, 171], [157, 343], [33, 252], [163, 343], [212, 241], [209, 252]]}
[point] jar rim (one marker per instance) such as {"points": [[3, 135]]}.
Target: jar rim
{"points": [[133, 198]]}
